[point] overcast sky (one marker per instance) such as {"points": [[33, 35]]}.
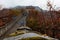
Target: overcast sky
{"points": [[40, 3]]}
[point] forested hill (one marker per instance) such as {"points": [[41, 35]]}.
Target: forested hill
{"points": [[46, 22]]}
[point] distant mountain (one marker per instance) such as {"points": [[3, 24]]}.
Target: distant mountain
{"points": [[38, 8], [28, 7], [19, 7]]}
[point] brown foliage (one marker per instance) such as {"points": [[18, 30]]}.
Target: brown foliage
{"points": [[44, 21]]}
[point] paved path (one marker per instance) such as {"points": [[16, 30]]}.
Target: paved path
{"points": [[13, 26]]}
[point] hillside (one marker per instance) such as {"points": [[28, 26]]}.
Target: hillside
{"points": [[46, 22]]}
